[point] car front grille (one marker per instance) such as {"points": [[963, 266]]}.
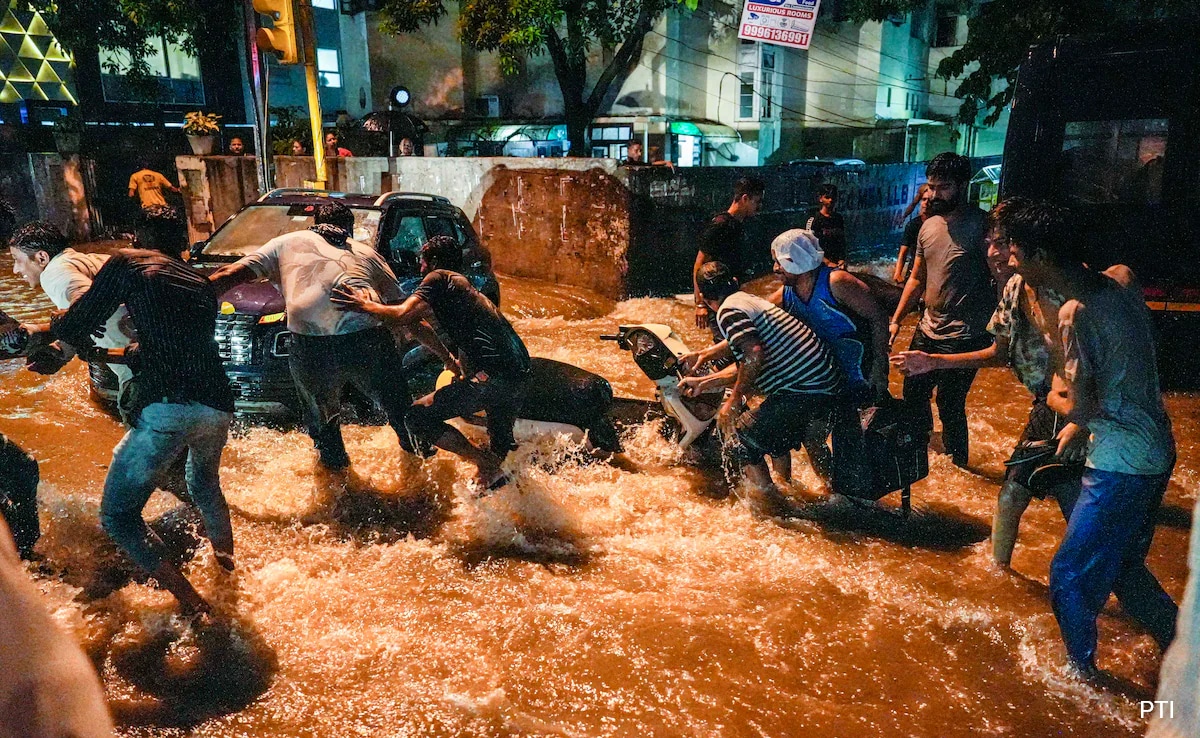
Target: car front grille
{"points": [[235, 338]]}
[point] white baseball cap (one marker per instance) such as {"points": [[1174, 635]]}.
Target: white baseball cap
{"points": [[798, 251]]}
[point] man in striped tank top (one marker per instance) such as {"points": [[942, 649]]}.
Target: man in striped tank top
{"points": [[778, 357]]}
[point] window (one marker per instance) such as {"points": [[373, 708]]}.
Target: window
{"points": [[175, 75], [1113, 161], [611, 134], [328, 70], [746, 96], [411, 231], [325, 4], [945, 32], [767, 82]]}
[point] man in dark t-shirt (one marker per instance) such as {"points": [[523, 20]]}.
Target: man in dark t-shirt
{"points": [[829, 225], [179, 400], [489, 359], [721, 240]]}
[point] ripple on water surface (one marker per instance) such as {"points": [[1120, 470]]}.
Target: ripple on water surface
{"points": [[582, 600]]}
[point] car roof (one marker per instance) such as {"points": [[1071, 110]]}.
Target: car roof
{"points": [[300, 195]]}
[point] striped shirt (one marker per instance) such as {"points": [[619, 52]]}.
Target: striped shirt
{"points": [[795, 359]]}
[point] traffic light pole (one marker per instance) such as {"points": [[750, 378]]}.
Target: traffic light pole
{"points": [[309, 54], [256, 68]]}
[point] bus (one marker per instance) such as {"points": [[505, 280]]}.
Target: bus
{"points": [[1109, 126]]}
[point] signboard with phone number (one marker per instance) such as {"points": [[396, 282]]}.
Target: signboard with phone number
{"points": [[782, 22]]}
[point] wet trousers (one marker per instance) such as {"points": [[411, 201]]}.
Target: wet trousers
{"points": [[164, 430], [18, 495], [323, 365], [1104, 551], [952, 387]]}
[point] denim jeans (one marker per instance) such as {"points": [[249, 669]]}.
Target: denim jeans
{"points": [[322, 365], [1104, 551], [165, 430]]}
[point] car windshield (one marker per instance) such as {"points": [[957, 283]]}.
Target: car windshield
{"points": [[258, 224]]}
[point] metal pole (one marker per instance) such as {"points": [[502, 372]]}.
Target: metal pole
{"points": [[307, 36], [256, 70]]}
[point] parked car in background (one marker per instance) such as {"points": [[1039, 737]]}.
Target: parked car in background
{"points": [[252, 334]]}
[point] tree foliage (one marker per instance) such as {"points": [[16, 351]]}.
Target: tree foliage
{"points": [[567, 30], [1001, 32], [129, 26]]}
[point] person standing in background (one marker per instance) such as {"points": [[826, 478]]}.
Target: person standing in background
{"points": [[912, 229], [829, 225], [147, 186]]}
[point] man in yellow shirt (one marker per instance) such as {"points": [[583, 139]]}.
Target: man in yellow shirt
{"points": [[147, 185]]}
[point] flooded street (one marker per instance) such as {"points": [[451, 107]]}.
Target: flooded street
{"points": [[584, 600]]}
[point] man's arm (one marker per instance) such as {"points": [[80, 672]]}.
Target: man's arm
{"points": [[717, 351], [405, 315], [701, 308], [911, 363], [913, 289], [1076, 397], [427, 337], [901, 257], [230, 276], [852, 292]]}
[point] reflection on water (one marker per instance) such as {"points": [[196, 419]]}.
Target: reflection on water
{"points": [[583, 600]]}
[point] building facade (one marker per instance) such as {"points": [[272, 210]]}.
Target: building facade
{"points": [[701, 96]]}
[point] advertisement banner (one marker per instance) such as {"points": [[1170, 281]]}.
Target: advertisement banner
{"points": [[781, 22]]}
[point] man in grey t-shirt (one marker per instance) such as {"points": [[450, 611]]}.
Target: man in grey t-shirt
{"points": [[950, 272], [331, 347], [1118, 424]]}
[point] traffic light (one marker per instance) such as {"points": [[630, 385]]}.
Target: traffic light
{"points": [[281, 38]]}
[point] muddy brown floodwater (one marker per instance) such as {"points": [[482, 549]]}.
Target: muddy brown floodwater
{"points": [[585, 600]]}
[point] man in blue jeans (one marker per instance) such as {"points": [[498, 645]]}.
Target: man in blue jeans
{"points": [[178, 400], [1118, 425]]}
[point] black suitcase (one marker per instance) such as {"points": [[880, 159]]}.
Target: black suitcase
{"points": [[890, 453]]}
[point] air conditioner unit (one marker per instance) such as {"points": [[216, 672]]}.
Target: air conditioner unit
{"points": [[488, 106]]}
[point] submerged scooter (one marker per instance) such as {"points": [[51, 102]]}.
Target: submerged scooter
{"points": [[656, 350], [566, 400]]}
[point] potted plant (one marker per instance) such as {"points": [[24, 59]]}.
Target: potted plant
{"points": [[68, 130], [201, 129]]}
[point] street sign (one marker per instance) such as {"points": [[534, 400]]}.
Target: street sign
{"points": [[781, 22]]}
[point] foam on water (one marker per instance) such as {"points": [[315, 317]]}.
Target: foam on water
{"points": [[583, 599]]}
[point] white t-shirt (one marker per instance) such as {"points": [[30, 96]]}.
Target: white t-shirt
{"points": [[66, 278], [306, 268]]}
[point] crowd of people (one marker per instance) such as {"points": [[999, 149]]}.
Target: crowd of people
{"points": [[1005, 288]]}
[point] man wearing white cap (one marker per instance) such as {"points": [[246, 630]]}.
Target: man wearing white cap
{"points": [[840, 309]]}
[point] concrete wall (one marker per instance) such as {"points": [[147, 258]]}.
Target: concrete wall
{"points": [[346, 174], [214, 188], [619, 232], [48, 187]]}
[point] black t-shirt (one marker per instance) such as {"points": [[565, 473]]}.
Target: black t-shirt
{"points": [[721, 241], [484, 339], [831, 233], [912, 229]]}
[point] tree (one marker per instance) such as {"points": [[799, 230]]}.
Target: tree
{"points": [[567, 30], [129, 26], [1001, 32]]}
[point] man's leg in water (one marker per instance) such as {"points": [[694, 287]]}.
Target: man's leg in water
{"points": [[137, 461], [781, 464], [377, 371], [1010, 506], [427, 421], [315, 368], [816, 446], [1109, 531], [772, 429], [18, 495], [206, 439]]}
